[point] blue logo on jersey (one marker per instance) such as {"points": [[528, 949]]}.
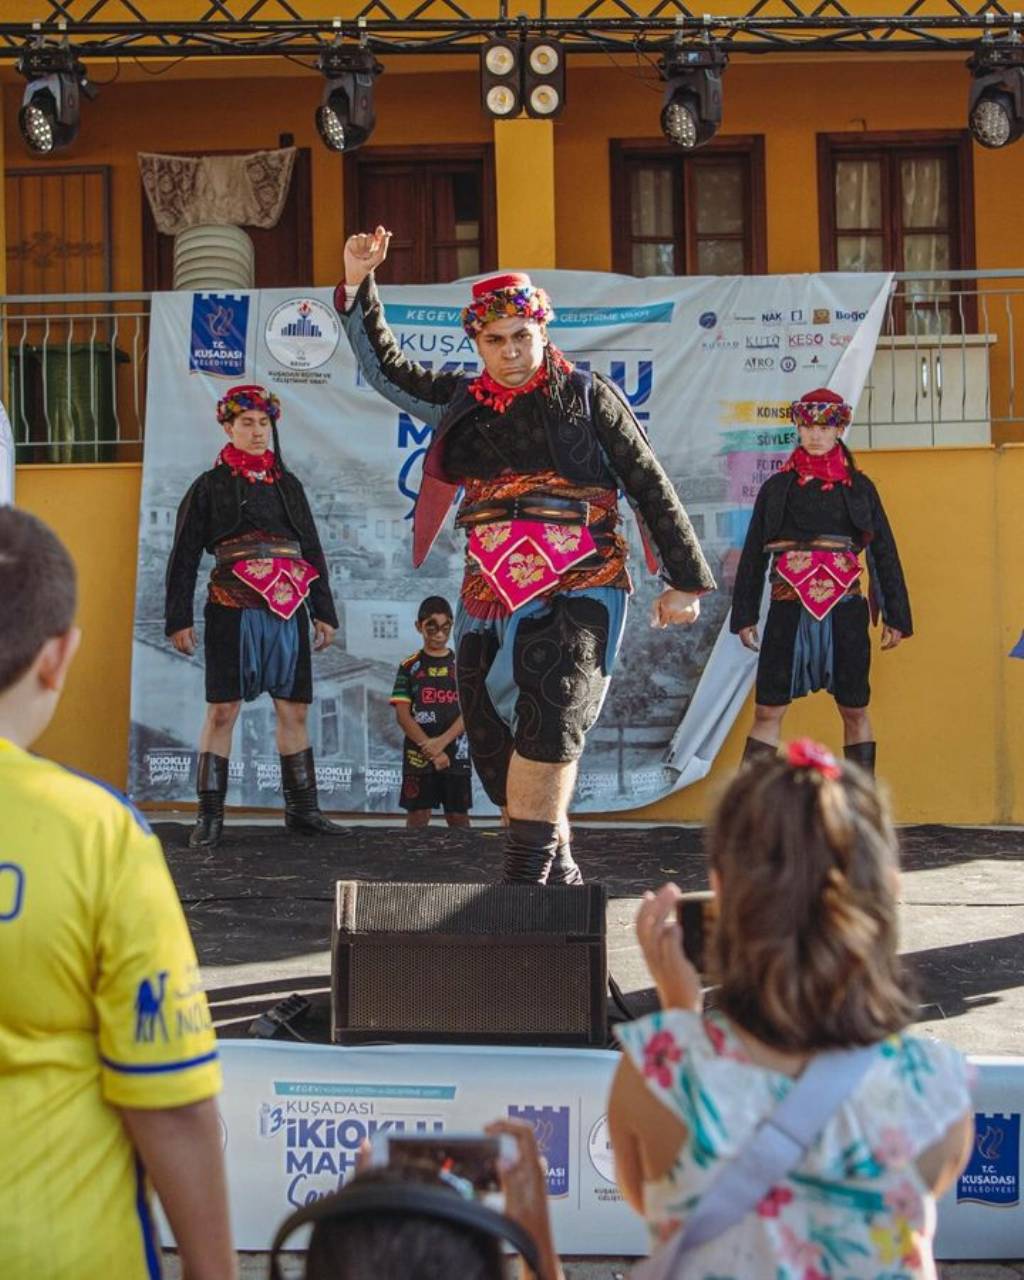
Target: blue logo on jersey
{"points": [[993, 1173], [551, 1129], [12, 891], [149, 1010], [219, 326]]}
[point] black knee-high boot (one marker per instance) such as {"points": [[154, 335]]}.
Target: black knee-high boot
{"points": [[862, 754], [564, 869], [529, 850], [211, 787], [301, 806], [755, 749]]}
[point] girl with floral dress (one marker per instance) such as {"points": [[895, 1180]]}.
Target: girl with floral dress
{"points": [[804, 867]]}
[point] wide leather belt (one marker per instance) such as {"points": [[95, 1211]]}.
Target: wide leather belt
{"points": [[823, 542], [528, 506], [283, 550]]}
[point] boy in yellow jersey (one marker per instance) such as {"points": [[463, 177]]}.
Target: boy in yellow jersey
{"points": [[108, 1062]]}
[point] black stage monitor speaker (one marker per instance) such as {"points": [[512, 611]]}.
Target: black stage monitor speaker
{"points": [[468, 963]]}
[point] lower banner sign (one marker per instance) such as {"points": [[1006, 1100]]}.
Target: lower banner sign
{"points": [[295, 1115]]}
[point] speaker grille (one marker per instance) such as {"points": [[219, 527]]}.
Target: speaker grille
{"points": [[471, 962], [471, 909], [470, 990]]}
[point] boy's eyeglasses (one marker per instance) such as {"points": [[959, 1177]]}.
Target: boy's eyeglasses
{"points": [[437, 626]]}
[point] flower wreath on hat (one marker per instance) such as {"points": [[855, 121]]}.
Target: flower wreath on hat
{"points": [[248, 398], [821, 408], [500, 297]]}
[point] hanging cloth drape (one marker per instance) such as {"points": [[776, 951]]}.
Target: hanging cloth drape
{"points": [[236, 190]]}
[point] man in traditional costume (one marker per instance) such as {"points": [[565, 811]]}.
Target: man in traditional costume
{"points": [[541, 449], [269, 582], [810, 524]]}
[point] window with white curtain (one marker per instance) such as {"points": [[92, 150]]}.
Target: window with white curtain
{"points": [[677, 214], [901, 206]]}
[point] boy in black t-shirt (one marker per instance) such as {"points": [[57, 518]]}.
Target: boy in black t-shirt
{"points": [[435, 755]]}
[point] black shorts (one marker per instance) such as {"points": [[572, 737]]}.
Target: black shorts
{"points": [[851, 653], [444, 789], [558, 667]]}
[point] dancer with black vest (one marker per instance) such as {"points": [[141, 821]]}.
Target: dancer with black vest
{"points": [[810, 524], [541, 449], [269, 582]]}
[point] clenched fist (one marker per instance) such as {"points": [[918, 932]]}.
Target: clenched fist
{"points": [[364, 252]]}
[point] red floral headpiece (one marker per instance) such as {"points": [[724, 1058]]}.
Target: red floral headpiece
{"points": [[499, 297], [805, 753], [252, 397], [821, 408]]}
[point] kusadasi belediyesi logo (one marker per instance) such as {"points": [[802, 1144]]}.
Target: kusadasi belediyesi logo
{"points": [[992, 1175], [220, 324]]}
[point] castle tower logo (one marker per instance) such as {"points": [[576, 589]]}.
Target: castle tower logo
{"points": [[302, 334]]}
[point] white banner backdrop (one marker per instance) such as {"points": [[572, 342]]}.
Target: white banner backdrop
{"points": [[709, 364], [294, 1117]]}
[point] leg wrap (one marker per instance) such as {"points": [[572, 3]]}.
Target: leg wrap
{"points": [[755, 749], [564, 869], [529, 850], [211, 787], [301, 806], [862, 754]]}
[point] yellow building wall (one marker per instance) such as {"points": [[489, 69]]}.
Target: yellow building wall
{"points": [[947, 704], [95, 510]]}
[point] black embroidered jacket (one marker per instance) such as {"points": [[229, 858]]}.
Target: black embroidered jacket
{"points": [[584, 430], [862, 514], [218, 505]]}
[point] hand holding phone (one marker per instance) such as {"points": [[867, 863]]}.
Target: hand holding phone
{"points": [[661, 940], [697, 913]]}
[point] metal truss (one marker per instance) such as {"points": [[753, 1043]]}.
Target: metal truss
{"points": [[261, 28]]}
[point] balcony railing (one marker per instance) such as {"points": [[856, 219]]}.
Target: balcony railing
{"points": [[73, 371]]}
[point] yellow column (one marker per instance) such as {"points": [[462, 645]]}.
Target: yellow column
{"points": [[3, 203], [524, 165]]}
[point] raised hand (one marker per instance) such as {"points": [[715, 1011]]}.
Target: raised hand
{"points": [[364, 252]]}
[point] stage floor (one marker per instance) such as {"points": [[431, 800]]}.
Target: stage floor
{"points": [[259, 908]]}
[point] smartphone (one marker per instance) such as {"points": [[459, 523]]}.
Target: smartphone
{"points": [[697, 914], [471, 1162]]}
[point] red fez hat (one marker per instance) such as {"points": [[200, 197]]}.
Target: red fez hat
{"points": [[510, 280], [823, 395]]}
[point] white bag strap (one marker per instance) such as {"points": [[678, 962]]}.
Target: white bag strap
{"points": [[774, 1149]]}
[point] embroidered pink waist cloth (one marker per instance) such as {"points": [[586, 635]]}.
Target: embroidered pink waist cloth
{"points": [[283, 584], [521, 559], [820, 578]]}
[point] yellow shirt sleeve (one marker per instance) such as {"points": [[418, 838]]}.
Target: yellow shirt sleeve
{"points": [[157, 1044]]}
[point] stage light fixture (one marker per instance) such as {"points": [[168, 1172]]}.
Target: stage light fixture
{"points": [[995, 111], [544, 79], [692, 108], [51, 104], [501, 78], [346, 115]]}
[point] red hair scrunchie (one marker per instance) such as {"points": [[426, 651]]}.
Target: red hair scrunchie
{"points": [[805, 753]]}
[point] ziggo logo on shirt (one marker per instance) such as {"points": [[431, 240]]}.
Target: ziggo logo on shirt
{"points": [[12, 891], [429, 695]]}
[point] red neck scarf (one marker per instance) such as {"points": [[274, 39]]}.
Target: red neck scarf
{"points": [[256, 468], [492, 394], [830, 468]]}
